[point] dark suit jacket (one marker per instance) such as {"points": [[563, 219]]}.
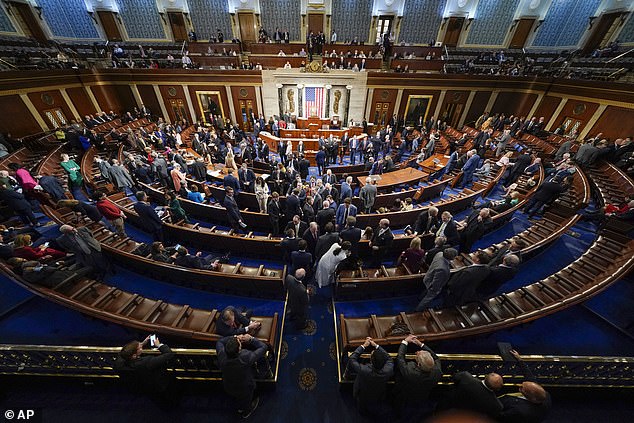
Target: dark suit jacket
{"points": [[148, 219], [302, 228], [425, 222], [297, 297], [237, 374], [312, 242], [288, 245], [451, 232], [471, 394], [369, 385], [293, 206], [233, 212], [301, 260], [498, 276], [463, 284], [519, 410], [324, 243], [323, 217], [353, 236], [413, 384], [14, 200], [384, 240], [146, 373], [231, 181], [241, 321]]}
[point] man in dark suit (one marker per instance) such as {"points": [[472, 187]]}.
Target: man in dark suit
{"points": [[531, 405], [246, 178], [469, 167], [436, 277], [236, 363], [148, 373], [308, 210], [522, 162], [324, 216], [326, 241], [231, 181], [498, 276], [297, 298], [320, 159], [233, 211], [425, 222], [276, 213], [515, 247], [304, 166], [448, 229], [301, 259], [371, 382], [293, 206], [297, 225], [149, 220], [232, 322], [470, 393], [381, 242], [289, 244], [476, 226], [462, 285], [415, 379], [352, 234], [18, 204], [329, 178], [546, 194], [311, 236]]}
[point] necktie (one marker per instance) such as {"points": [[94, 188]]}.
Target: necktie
{"points": [[345, 216], [441, 230]]}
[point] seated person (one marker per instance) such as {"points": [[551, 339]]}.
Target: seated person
{"points": [[500, 206], [194, 195], [48, 275], [162, 254], [23, 247], [232, 322], [209, 262]]}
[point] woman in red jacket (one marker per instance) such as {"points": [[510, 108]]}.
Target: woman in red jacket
{"points": [[22, 247]]}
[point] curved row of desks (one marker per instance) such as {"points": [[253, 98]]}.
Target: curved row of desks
{"points": [[111, 304]]}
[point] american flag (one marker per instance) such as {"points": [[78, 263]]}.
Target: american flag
{"points": [[314, 101]]}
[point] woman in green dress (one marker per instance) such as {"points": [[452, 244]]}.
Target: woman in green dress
{"points": [[176, 211], [73, 170]]}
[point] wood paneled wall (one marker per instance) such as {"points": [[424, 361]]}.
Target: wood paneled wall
{"points": [[615, 122], [547, 106], [16, 117], [80, 99], [50, 99], [513, 103], [478, 105]]}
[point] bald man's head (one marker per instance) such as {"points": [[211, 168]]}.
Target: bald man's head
{"points": [[533, 392], [300, 273], [494, 381]]}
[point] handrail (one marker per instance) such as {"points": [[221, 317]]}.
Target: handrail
{"points": [[620, 55]]}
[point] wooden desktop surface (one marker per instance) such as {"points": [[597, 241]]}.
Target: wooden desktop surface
{"points": [[403, 176], [429, 166]]}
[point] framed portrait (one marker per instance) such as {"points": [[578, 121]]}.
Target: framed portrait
{"points": [[209, 103], [417, 105]]}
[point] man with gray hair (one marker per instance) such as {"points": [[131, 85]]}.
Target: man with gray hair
{"points": [[368, 195], [86, 248], [415, 379], [436, 277]]}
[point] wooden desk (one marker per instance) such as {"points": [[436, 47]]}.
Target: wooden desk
{"points": [[430, 167], [403, 176]]}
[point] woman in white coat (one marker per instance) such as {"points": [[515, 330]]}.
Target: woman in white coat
{"points": [[327, 266]]}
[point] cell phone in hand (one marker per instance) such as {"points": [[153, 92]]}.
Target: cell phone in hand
{"points": [[177, 246], [46, 244], [153, 341]]}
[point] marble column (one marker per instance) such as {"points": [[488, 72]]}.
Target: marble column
{"points": [[300, 100], [328, 87], [348, 90]]}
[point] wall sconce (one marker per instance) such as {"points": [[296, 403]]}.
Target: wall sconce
{"points": [[469, 22], [591, 21], [539, 23], [39, 11]]}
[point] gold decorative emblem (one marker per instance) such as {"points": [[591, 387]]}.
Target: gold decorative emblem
{"points": [[311, 327], [385, 94], [579, 109], [243, 92], [47, 99], [307, 379], [171, 91], [313, 67]]}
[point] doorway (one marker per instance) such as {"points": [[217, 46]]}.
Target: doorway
{"points": [[247, 26], [454, 28], [177, 109], [27, 21], [602, 32], [177, 24], [522, 31], [315, 23], [383, 26], [109, 25], [55, 117]]}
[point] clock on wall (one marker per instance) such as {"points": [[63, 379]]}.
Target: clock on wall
{"points": [[579, 109], [171, 91], [47, 99]]}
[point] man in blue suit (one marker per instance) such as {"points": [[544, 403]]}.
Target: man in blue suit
{"points": [[233, 212], [148, 218], [343, 212], [346, 188], [231, 181], [469, 167], [301, 259], [320, 159]]}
